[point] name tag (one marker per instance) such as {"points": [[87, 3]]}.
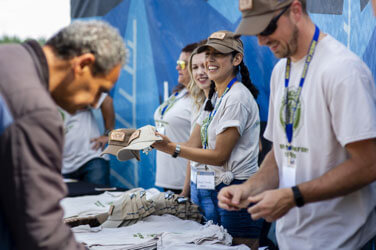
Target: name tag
{"points": [[161, 129], [287, 177], [205, 180]]}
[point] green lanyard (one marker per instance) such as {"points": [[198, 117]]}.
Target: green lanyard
{"points": [[169, 103], [204, 129]]}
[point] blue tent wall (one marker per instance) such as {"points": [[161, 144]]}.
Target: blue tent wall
{"points": [[155, 31]]}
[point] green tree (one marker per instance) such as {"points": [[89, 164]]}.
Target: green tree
{"points": [[15, 39]]}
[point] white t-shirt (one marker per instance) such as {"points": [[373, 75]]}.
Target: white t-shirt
{"points": [[338, 106], [238, 109], [79, 129], [196, 166], [170, 171]]}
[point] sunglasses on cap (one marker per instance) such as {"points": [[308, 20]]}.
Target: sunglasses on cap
{"points": [[273, 23], [182, 64]]}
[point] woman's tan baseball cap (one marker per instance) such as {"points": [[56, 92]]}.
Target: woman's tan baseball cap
{"points": [[223, 41], [257, 14]]}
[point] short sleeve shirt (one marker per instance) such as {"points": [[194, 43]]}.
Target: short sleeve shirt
{"points": [[237, 109]]}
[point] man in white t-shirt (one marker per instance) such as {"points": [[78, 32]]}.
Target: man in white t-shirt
{"points": [[318, 180], [83, 144]]}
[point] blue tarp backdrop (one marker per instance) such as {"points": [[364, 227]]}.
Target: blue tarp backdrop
{"points": [[156, 30]]}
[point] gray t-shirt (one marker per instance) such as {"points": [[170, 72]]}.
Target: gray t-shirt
{"points": [[238, 109]]}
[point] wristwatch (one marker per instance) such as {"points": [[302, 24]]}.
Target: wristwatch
{"points": [[299, 201], [177, 151], [107, 132]]}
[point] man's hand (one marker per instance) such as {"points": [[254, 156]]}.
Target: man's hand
{"points": [[99, 142], [272, 204], [233, 197]]}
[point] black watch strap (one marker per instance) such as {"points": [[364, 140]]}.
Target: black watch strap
{"points": [[299, 201], [177, 151]]}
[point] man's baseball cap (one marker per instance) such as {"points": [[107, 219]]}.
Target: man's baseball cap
{"points": [[141, 139], [257, 14], [223, 41], [118, 139]]}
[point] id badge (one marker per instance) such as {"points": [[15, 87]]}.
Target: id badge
{"points": [[287, 178], [161, 129], [205, 180]]}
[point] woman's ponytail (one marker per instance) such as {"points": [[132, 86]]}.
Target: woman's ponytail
{"points": [[246, 80], [208, 105]]}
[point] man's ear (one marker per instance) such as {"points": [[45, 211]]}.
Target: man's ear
{"points": [[83, 62], [237, 59], [296, 11]]}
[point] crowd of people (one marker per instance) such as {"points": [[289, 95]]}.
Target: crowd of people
{"points": [[317, 182]]}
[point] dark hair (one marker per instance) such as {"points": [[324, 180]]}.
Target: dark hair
{"points": [[246, 80], [208, 104], [304, 6], [187, 49]]}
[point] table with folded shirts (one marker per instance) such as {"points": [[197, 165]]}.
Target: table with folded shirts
{"points": [[142, 219]]}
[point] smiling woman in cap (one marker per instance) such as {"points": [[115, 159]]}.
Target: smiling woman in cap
{"points": [[226, 136]]}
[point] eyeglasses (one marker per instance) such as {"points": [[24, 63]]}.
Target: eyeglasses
{"points": [[273, 23], [182, 64]]}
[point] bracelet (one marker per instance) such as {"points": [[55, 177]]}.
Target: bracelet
{"points": [[177, 151], [299, 201], [107, 132]]}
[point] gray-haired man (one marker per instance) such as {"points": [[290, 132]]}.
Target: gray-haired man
{"points": [[74, 67]]}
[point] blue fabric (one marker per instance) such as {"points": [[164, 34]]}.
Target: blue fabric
{"points": [[238, 223], [371, 245], [5, 117], [95, 171]]}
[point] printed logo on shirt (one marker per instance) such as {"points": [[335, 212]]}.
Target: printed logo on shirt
{"points": [[286, 115], [203, 131]]}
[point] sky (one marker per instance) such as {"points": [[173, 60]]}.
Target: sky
{"points": [[33, 18]]}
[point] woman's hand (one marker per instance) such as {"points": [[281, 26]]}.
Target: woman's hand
{"points": [[165, 145]]}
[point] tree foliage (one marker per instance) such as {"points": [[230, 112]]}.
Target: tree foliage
{"points": [[15, 39]]}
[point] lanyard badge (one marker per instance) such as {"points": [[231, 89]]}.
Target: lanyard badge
{"points": [[290, 113], [168, 104], [206, 123]]}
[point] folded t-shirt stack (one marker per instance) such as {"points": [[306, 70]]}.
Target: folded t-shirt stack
{"points": [[182, 207], [120, 209], [132, 208]]}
